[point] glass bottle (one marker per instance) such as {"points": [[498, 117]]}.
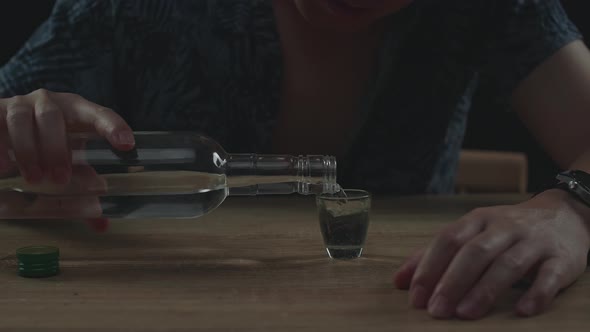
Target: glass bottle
{"points": [[166, 175]]}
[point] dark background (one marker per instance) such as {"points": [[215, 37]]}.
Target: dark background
{"points": [[486, 130]]}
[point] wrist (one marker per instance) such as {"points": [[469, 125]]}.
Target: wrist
{"points": [[571, 186], [563, 196], [559, 198]]}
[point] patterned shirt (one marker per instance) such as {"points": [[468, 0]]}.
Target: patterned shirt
{"points": [[215, 66]]}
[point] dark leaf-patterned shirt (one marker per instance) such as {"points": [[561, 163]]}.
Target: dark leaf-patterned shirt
{"points": [[215, 66]]}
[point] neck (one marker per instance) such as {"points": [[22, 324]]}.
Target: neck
{"points": [[289, 17]]}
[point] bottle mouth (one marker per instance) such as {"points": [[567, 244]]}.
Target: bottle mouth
{"points": [[318, 174], [331, 181]]}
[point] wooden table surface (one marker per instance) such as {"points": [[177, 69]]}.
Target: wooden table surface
{"points": [[253, 264]]}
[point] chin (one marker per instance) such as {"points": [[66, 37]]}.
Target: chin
{"points": [[338, 15]]}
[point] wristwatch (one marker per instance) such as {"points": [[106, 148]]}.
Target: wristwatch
{"points": [[575, 182]]}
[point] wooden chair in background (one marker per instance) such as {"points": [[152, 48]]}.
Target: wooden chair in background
{"points": [[491, 172]]}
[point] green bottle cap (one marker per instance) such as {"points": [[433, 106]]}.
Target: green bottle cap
{"points": [[38, 261]]}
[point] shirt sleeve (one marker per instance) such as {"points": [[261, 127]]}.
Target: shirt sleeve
{"points": [[520, 36], [70, 52]]}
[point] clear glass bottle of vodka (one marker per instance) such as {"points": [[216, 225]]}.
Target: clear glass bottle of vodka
{"points": [[167, 175]]}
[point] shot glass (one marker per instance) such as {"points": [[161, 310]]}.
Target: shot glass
{"points": [[344, 221]]}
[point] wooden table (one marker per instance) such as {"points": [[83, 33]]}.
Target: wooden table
{"points": [[253, 264]]}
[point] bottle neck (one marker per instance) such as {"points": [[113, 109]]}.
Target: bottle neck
{"points": [[252, 174]]}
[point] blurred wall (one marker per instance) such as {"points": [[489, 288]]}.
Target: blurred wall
{"points": [[19, 18]]}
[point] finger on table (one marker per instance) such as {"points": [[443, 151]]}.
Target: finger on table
{"points": [[553, 275], [438, 256], [508, 268], [466, 268]]}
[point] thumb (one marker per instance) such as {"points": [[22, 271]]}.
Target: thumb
{"points": [[83, 115]]}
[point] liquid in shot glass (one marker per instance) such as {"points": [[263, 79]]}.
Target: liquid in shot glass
{"points": [[344, 221]]}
